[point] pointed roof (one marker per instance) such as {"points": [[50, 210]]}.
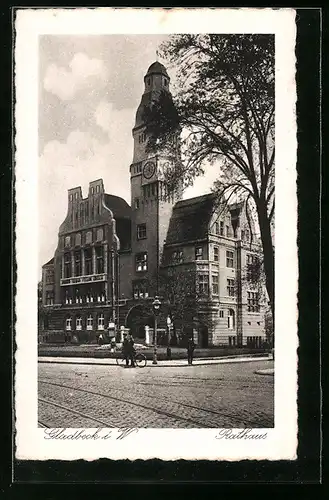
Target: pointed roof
{"points": [[190, 219], [157, 68]]}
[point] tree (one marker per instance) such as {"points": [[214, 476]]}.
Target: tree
{"points": [[224, 113]]}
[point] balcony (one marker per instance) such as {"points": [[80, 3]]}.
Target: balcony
{"points": [[76, 280]]}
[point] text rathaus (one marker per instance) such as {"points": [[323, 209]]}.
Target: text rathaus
{"points": [[112, 259]]}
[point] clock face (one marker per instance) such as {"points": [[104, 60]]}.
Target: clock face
{"points": [[149, 169]]}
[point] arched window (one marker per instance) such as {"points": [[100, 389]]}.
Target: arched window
{"points": [[231, 319], [68, 324], [78, 323]]}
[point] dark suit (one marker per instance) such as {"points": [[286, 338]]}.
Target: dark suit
{"points": [[190, 351]]}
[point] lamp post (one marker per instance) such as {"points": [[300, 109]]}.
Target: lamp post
{"points": [[168, 337], [156, 309]]}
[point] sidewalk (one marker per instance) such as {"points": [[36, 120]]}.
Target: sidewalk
{"points": [[165, 363]]}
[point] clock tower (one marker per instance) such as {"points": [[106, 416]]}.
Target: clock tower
{"points": [[151, 204]]}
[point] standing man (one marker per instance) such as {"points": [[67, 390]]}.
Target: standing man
{"points": [[126, 349], [190, 350], [131, 350]]}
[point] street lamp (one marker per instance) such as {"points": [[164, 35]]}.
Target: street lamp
{"points": [[156, 309]]}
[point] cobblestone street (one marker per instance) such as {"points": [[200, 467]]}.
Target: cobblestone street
{"points": [[215, 396]]}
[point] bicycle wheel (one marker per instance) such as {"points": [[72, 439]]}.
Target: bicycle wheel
{"points": [[140, 360], [120, 360]]}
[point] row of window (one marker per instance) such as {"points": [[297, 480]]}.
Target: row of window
{"points": [[228, 231], [76, 239], [137, 168], [87, 298], [92, 190], [89, 323], [142, 137], [203, 285], [85, 211], [84, 257], [50, 276], [253, 301]]}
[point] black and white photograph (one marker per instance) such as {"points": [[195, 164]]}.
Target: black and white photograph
{"points": [[160, 211]]}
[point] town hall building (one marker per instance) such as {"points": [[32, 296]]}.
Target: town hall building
{"points": [[113, 259]]}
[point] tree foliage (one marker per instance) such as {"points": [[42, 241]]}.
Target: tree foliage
{"points": [[224, 116]]}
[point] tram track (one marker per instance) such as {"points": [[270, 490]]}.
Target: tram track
{"points": [[244, 421], [75, 412]]}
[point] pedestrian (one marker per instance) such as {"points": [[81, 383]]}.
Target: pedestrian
{"points": [[113, 344], [131, 350], [190, 350], [126, 349]]}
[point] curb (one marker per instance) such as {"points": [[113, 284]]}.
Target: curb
{"points": [[164, 364], [268, 373]]}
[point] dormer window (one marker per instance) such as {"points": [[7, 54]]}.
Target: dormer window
{"points": [[149, 81], [165, 81]]}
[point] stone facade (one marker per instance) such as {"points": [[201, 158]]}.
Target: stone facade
{"points": [[113, 259]]}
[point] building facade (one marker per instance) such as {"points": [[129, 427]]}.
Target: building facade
{"points": [[112, 259]]}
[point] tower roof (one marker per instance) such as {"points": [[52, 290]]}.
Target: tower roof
{"points": [[157, 67]]}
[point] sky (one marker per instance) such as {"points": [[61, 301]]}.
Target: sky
{"points": [[89, 91]]}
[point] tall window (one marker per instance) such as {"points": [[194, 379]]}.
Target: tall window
{"points": [[99, 259], [231, 319], [198, 253], [227, 230], [100, 234], [203, 284], [68, 323], [216, 227], [140, 290], [141, 231], [49, 276], [78, 239], [221, 313], [247, 234], [136, 203], [68, 297], [89, 322], [253, 301], [141, 262], [221, 228], [78, 323], [215, 284], [49, 298], [177, 257], [77, 262], [230, 287], [229, 258], [88, 261], [67, 265], [89, 237], [100, 321], [216, 254], [67, 241], [78, 297]]}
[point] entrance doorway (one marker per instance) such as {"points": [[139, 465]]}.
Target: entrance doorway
{"points": [[137, 318], [203, 335]]}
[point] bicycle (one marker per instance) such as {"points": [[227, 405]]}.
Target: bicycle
{"points": [[139, 360]]}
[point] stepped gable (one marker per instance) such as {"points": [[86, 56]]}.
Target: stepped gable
{"points": [[190, 219]]}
